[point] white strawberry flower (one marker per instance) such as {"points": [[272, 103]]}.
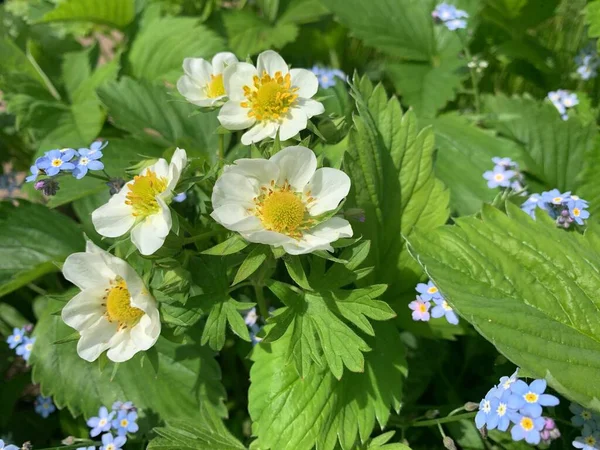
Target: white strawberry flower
{"points": [[202, 83], [278, 201], [268, 98], [114, 310], [142, 205]]}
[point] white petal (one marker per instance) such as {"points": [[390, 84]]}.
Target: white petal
{"points": [[198, 69], [328, 187], [236, 218], [160, 168], [320, 237], [96, 339], [222, 60], [145, 333], [235, 77], [262, 170], [234, 188], [150, 234], [122, 347], [310, 107], [115, 218], [271, 62], [297, 165], [87, 270], [178, 163], [234, 117], [306, 82], [295, 121], [260, 131], [268, 237], [193, 92], [85, 309]]}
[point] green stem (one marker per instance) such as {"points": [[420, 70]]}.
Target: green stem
{"points": [[457, 410], [439, 425], [35, 288], [200, 237], [474, 81], [239, 285], [221, 147], [100, 177], [260, 299], [448, 419]]}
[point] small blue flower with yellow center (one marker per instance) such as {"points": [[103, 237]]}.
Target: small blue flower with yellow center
{"points": [[526, 427], [485, 408], [589, 441], [16, 339], [506, 383], [529, 399], [56, 161], [109, 442], [327, 77], [443, 309], [24, 350], [584, 417], [450, 16], [44, 406], [428, 291], [577, 210], [122, 406], [91, 447], [125, 422], [102, 423], [88, 160], [499, 177]]}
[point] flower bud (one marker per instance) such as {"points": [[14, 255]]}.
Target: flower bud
{"points": [[115, 185], [48, 186], [449, 443], [471, 406]]}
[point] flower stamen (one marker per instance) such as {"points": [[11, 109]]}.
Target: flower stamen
{"points": [[142, 193], [269, 98]]}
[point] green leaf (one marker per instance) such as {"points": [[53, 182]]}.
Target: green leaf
{"points": [[249, 34], [401, 28], [319, 326], [117, 13], [556, 147], [425, 87], [592, 18], [388, 154], [230, 246], [529, 288], [14, 60], [148, 112], [160, 47], [208, 434], [465, 153], [251, 264], [381, 443], [325, 409], [188, 376], [224, 311], [590, 188], [32, 239]]}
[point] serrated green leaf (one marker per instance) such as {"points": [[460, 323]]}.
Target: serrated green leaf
{"points": [[188, 376], [32, 238], [294, 267], [388, 154], [251, 264], [223, 311], [465, 153], [381, 443], [208, 434], [117, 13], [529, 288], [592, 18], [158, 51], [148, 112], [557, 147], [325, 410]]}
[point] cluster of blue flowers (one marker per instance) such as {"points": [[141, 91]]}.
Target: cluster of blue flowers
{"points": [[563, 101], [251, 321], [563, 207], [121, 419], [327, 76], [44, 406], [450, 16], [587, 62], [20, 342], [429, 293], [505, 174], [590, 427], [67, 160], [513, 401]]}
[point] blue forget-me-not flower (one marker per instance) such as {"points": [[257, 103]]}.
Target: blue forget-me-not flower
{"points": [[16, 339], [125, 422], [428, 291], [88, 160], [327, 76], [109, 442], [420, 309], [450, 16], [44, 406], [102, 423], [529, 399], [4, 446], [24, 350]]}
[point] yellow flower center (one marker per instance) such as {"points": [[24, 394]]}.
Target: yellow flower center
{"points": [[557, 200], [576, 212], [57, 162], [269, 98], [124, 423], [586, 414], [526, 423], [142, 193], [501, 410], [446, 306], [215, 88], [432, 290], [590, 440], [423, 307], [118, 306], [28, 347], [499, 177], [531, 397], [282, 211]]}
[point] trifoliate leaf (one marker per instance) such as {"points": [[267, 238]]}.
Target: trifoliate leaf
{"points": [[188, 376], [158, 51], [325, 410], [32, 239], [319, 326], [529, 288], [116, 13]]}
